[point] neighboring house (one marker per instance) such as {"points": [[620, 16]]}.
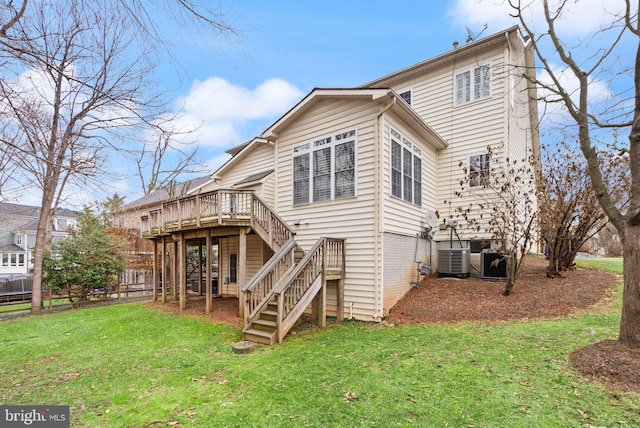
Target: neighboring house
{"points": [[366, 167], [18, 224]]}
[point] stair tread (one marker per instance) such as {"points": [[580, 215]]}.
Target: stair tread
{"points": [[260, 333], [264, 322]]}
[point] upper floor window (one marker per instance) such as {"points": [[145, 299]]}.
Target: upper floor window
{"points": [[479, 170], [406, 169], [64, 224], [325, 169], [406, 96], [18, 239], [472, 85]]}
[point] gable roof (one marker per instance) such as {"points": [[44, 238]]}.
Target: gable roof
{"points": [[254, 177], [239, 152], [385, 96], [31, 211], [469, 48], [11, 248], [166, 193]]}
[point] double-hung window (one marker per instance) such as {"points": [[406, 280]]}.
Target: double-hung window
{"points": [[406, 169], [325, 169], [479, 170], [472, 85]]}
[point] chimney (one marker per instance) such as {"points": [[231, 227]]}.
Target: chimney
{"points": [[455, 44]]}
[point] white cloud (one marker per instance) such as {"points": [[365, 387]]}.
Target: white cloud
{"points": [[217, 161], [579, 18], [222, 111], [599, 92]]}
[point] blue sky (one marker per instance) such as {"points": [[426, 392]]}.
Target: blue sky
{"points": [[234, 88]]}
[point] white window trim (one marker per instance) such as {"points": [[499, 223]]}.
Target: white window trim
{"points": [[405, 143], [307, 149], [404, 91], [471, 71], [13, 259], [481, 185]]}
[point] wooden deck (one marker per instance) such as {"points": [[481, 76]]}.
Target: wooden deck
{"points": [[215, 209], [282, 289]]}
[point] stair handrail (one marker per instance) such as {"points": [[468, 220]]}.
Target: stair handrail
{"points": [[260, 288], [302, 278], [273, 230]]}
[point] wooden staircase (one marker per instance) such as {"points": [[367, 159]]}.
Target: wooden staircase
{"points": [[264, 328], [280, 292], [277, 295]]}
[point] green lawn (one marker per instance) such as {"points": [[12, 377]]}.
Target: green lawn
{"points": [[132, 366], [611, 264]]}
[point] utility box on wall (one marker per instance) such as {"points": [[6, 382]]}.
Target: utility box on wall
{"points": [[454, 262]]}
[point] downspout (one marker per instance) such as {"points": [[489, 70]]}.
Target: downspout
{"points": [[378, 206], [509, 105]]}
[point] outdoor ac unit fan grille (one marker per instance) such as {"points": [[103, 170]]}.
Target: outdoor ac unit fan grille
{"points": [[454, 262], [490, 271]]}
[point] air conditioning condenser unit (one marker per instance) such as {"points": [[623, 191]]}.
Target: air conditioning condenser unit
{"points": [[454, 262], [492, 266]]}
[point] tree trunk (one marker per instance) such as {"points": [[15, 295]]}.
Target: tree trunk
{"points": [[629, 325], [511, 275], [630, 320], [38, 252]]}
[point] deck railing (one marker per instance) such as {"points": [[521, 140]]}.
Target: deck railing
{"points": [[259, 290], [218, 207]]}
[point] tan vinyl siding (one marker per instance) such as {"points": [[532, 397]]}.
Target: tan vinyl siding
{"points": [[401, 216], [268, 190], [255, 259], [254, 255], [350, 218], [258, 160], [469, 129], [210, 186]]}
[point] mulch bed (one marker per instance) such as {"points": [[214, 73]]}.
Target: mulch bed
{"points": [[534, 296], [610, 363], [441, 301]]}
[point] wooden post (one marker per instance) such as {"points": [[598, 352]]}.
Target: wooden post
{"points": [[182, 269], [209, 261], [242, 266], [154, 282], [175, 272], [340, 299], [163, 268], [200, 267], [322, 296]]}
